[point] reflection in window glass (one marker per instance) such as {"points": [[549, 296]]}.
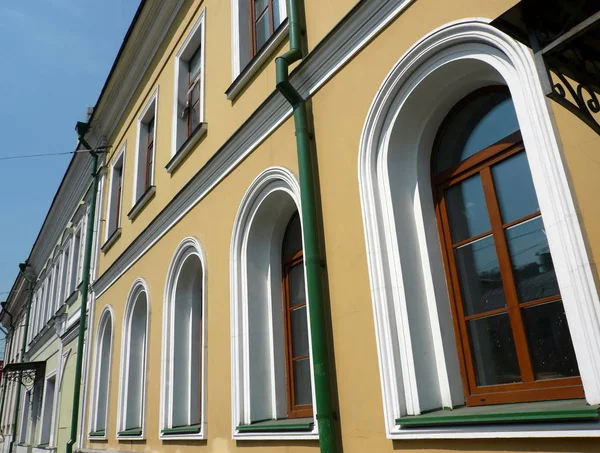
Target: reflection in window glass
{"points": [[467, 210]]}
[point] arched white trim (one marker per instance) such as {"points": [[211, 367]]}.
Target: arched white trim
{"points": [[268, 204], [188, 247], [107, 316], [417, 354], [139, 287]]}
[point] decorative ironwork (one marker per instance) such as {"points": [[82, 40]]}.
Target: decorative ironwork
{"points": [[565, 38], [27, 373]]}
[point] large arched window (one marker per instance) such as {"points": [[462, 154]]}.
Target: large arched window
{"points": [[184, 344], [512, 332], [133, 363], [99, 407], [271, 364]]}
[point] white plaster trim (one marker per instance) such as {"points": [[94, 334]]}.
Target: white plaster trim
{"points": [[473, 38], [200, 24], [107, 311], [142, 120], [119, 156], [187, 247], [266, 183], [140, 285]]}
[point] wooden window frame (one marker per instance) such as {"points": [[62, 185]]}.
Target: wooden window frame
{"points": [[529, 389], [254, 49], [193, 84], [288, 262], [149, 153]]}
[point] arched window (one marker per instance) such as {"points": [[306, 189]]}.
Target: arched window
{"points": [[295, 320], [511, 327], [133, 363], [102, 375], [183, 367], [271, 364]]}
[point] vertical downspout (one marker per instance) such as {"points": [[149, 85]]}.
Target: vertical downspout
{"points": [[30, 284], [6, 348], [312, 255], [84, 286]]}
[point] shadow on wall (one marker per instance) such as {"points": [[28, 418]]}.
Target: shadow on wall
{"points": [[500, 445]]}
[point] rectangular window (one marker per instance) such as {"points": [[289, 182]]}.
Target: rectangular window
{"points": [[75, 264], [48, 410], [64, 290], [116, 195], [25, 417], [188, 121], [146, 149]]}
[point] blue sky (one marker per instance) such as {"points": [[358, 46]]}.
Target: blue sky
{"points": [[54, 58]]}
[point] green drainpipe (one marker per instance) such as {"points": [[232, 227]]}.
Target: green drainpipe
{"points": [[30, 284], [87, 259], [312, 255], [6, 348]]}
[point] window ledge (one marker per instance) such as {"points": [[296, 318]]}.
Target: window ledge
{"points": [[191, 429], [546, 411], [111, 240], [97, 435], [131, 433], [142, 201], [274, 426], [187, 146], [257, 62]]}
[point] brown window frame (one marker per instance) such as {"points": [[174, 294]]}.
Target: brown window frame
{"points": [[288, 262], [254, 49], [149, 153], [193, 84], [481, 163], [117, 210]]}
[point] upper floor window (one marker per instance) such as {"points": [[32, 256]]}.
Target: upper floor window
{"points": [[133, 364], [259, 27], [189, 124], [511, 327], [115, 199], [146, 150]]}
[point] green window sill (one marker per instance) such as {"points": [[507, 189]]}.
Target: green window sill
{"points": [[545, 411], [97, 433], [192, 429], [130, 432], [288, 424]]}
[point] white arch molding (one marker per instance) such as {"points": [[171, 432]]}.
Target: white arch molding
{"points": [[102, 351], [133, 321], [415, 340], [188, 258], [258, 373]]}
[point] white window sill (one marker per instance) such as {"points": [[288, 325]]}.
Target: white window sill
{"points": [[277, 434], [186, 148], [143, 201], [244, 77], [111, 240]]}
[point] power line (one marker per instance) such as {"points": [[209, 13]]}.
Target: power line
{"points": [[28, 156]]}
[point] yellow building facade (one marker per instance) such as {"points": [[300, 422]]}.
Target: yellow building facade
{"points": [[200, 334]]}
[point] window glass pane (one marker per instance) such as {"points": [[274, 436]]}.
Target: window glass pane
{"points": [[259, 7], [293, 238], [151, 130], [531, 261], [467, 211], [483, 121], [195, 117], [296, 282], [276, 13], [299, 332], [549, 340], [493, 351], [514, 188], [263, 31], [195, 65], [302, 390], [479, 276]]}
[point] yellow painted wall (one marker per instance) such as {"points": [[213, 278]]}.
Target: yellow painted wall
{"points": [[340, 109]]}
